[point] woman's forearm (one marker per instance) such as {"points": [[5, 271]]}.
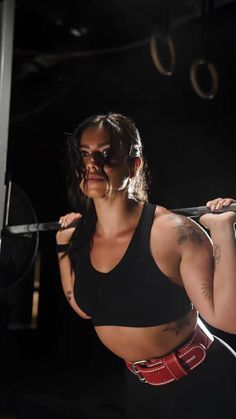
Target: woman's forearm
{"points": [[224, 288]]}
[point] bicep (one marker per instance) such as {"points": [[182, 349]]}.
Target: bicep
{"points": [[197, 272], [192, 245], [73, 303], [68, 280]]}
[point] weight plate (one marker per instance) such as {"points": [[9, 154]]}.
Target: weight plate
{"points": [[18, 252]]}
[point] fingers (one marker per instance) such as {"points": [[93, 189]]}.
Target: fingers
{"points": [[218, 203], [68, 219]]}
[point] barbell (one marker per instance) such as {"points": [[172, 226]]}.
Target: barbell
{"points": [[20, 234]]}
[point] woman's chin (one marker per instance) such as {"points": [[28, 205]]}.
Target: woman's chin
{"points": [[90, 193]]}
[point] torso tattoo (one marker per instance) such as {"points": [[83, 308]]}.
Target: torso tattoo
{"points": [[177, 326]]}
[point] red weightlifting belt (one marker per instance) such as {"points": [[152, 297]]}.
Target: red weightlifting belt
{"points": [[177, 364]]}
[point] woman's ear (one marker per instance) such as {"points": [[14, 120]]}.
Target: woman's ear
{"points": [[135, 166]]}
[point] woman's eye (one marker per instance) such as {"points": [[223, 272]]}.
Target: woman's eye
{"points": [[83, 153], [105, 152]]}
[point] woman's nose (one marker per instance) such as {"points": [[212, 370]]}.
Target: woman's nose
{"points": [[95, 159], [90, 163]]}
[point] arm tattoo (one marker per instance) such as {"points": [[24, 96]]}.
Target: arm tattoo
{"points": [[189, 231], [216, 253], [68, 295], [177, 326], [207, 290]]}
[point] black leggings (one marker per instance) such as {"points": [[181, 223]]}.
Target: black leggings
{"points": [[207, 392]]}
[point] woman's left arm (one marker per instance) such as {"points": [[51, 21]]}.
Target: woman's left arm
{"points": [[222, 232], [208, 267]]}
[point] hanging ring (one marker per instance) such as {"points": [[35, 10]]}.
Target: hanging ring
{"points": [[169, 45], [195, 81]]}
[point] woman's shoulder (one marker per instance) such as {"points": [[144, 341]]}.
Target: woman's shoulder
{"points": [[174, 225], [167, 219], [163, 215]]}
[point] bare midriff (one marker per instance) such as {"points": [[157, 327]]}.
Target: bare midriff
{"points": [[140, 343]]}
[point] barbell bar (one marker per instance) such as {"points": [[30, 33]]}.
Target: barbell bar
{"points": [[192, 212], [19, 238]]}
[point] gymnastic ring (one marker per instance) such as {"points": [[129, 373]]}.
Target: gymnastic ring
{"points": [[155, 55], [195, 82]]}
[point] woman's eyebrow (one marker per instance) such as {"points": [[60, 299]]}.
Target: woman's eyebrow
{"points": [[99, 145]]}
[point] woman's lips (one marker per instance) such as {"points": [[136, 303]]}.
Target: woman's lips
{"points": [[95, 179]]}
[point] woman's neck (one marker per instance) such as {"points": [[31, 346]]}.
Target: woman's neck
{"points": [[116, 215]]}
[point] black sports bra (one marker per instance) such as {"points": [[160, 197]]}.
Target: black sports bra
{"points": [[135, 292]]}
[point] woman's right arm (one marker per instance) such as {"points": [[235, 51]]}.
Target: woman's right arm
{"points": [[67, 275]]}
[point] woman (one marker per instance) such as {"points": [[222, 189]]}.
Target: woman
{"points": [[143, 275]]}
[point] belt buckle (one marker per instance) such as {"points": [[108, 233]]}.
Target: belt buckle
{"points": [[137, 372]]}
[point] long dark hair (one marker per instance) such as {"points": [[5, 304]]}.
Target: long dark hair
{"points": [[125, 141]]}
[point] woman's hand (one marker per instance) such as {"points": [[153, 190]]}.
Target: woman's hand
{"points": [[64, 234], [208, 220], [219, 203]]}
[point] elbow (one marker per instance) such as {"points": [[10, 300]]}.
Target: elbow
{"points": [[226, 326], [229, 329], [85, 316]]}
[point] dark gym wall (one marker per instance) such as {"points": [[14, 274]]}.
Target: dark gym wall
{"points": [[189, 141]]}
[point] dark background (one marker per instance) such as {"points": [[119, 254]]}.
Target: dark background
{"points": [[72, 59]]}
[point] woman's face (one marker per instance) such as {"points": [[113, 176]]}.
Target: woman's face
{"points": [[93, 142]]}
